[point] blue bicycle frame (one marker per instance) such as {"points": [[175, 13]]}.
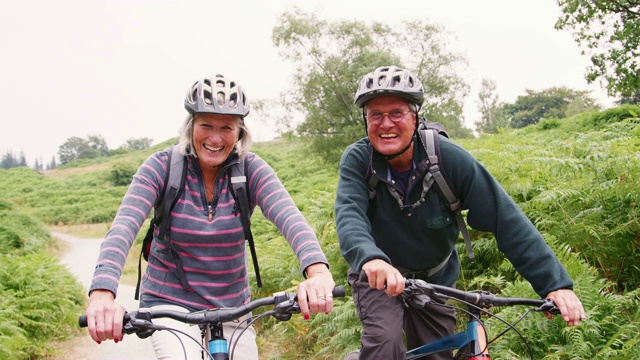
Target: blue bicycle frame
{"points": [[472, 340]]}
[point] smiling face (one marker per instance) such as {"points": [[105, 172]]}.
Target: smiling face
{"points": [[214, 137], [389, 137]]}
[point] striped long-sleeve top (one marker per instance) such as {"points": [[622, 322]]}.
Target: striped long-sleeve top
{"points": [[212, 252]]}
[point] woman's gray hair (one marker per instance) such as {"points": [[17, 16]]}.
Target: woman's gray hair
{"points": [[243, 146]]}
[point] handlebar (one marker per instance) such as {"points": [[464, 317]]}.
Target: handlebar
{"points": [[419, 293], [285, 304]]}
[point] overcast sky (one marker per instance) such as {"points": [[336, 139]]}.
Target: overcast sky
{"points": [[121, 68]]}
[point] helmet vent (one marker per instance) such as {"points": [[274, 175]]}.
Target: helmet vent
{"points": [[207, 97], [395, 80], [233, 100]]}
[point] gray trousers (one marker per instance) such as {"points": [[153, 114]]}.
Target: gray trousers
{"points": [[384, 318]]}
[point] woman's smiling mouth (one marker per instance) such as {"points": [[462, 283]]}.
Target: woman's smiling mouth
{"points": [[214, 149]]}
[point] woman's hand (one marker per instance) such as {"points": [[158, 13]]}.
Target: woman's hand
{"points": [[104, 316], [315, 293]]}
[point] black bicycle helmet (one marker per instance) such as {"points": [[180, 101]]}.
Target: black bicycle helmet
{"points": [[217, 95], [390, 81]]}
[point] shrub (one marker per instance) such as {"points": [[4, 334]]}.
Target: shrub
{"points": [[39, 298], [548, 124], [121, 174]]}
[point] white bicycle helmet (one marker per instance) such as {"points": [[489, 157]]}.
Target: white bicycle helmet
{"points": [[217, 95], [390, 81]]}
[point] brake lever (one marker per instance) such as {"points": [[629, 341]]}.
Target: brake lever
{"points": [[549, 306], [285, 305], [140, 323], [418, 296]]}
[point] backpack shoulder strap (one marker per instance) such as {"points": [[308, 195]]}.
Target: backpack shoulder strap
{"points": [[173, 188], [241, 194], [171, 192], [431, 144], [372, 181]]}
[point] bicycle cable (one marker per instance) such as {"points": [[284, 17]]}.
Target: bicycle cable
{"points": [[175, 333], [507, 329], [233, 339], [492, 315]]}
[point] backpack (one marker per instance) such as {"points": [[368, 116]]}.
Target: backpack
{"points": [[428, 132], [174, 186]]}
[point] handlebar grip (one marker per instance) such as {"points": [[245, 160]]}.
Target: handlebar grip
{"points": [[339, 291], [82, 321]]}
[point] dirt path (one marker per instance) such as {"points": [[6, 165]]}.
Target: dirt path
{"points": [[80, 258]]}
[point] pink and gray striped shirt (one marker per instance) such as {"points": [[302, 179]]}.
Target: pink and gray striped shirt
{"points": [[213, 253]]}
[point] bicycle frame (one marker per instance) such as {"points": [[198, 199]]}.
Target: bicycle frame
{"points": [[472, 340]]}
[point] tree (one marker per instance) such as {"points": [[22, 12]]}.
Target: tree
{"points": [[631, 99], [138, 144], [52, 165], [490, 108], [38, 166], [8, 160], [549, 103], [98, 143], [76, 148], [610, 31], [330, 58], [22, 161]]}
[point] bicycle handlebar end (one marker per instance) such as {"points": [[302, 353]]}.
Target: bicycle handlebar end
{"points": [[82, 321], [339, 291]]}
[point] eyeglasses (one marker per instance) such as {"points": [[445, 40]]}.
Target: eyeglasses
{"points": [[395, 116]]}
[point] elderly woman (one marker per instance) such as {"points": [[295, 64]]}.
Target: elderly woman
{"points": [[206, 229]]}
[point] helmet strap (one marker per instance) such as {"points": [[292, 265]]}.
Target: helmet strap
{"points": [[364, 121]]}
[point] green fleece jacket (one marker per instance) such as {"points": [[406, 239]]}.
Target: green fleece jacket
{"points": [[421, 237]]}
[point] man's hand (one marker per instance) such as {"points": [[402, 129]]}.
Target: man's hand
{"points": [[569, 305], [383, 276]]}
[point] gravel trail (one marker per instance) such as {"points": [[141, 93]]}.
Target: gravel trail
{"points": [[80, 258]]}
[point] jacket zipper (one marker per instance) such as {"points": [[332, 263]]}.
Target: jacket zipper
{"points": [[215, 195]]}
